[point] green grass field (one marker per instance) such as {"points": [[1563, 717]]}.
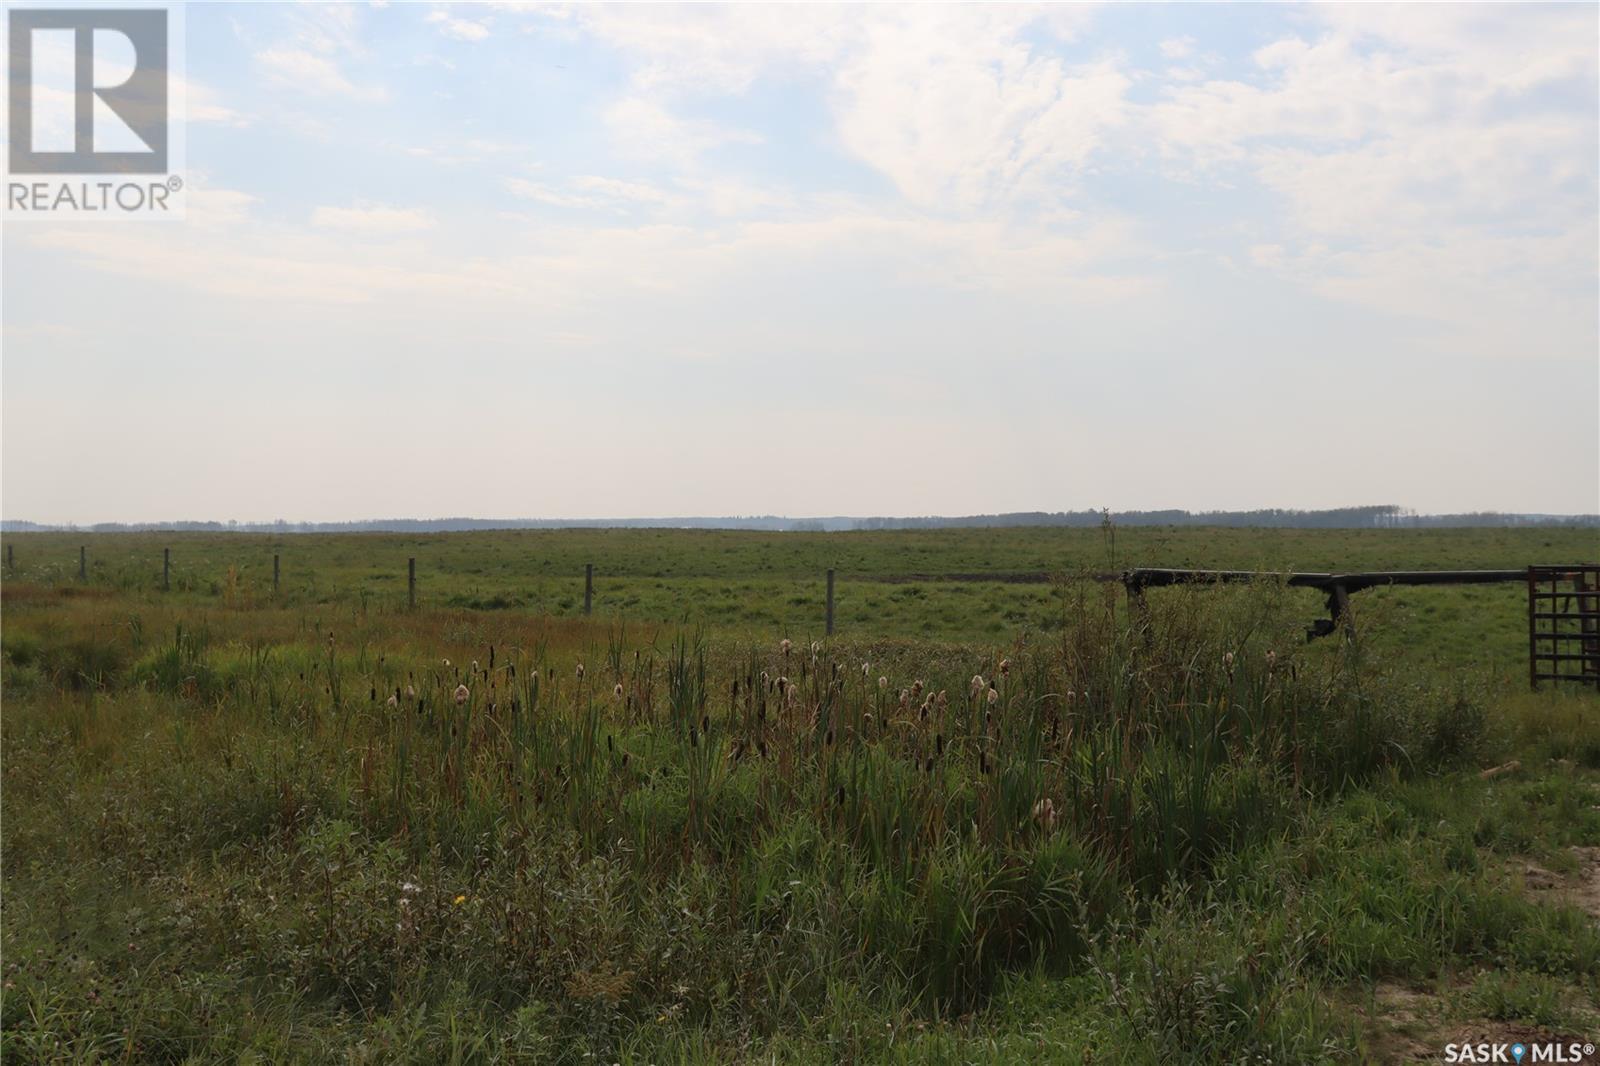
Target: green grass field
{"points": [[985, 822], [773, 584]]}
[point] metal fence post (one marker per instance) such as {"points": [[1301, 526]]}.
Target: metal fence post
{"points": [[166, 569], [588, 587], [411, 582], [830, 602], [83, 563], [274, 573]]}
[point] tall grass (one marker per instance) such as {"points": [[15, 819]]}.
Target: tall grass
{"points": [[412, 820]]}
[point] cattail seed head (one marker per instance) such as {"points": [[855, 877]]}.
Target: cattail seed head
{"points": [[1044, 814], [462, 694]]}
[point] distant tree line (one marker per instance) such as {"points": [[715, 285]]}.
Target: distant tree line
{"points": [[1384, 516]]}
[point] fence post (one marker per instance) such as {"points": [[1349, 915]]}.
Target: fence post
{"points": [[411, 582], [274, 573], [588, 587], [1341, 611], [830, 602], [83, 563], [166, 569], [11, 556], [1533, 629]]}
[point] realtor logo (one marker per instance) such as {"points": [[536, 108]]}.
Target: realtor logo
{"points": [[91, 95], [138, 102]]}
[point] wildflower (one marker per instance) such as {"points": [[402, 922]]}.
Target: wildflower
{"points": [[462, 694], [994, 697], [459, 900], [408, 888], [393, 702]]}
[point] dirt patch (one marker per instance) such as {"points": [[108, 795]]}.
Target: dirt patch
{"points": [[1404, 1024], [1580, 889]]}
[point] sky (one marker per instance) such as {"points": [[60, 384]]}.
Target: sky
{"points": [[649, 261]]}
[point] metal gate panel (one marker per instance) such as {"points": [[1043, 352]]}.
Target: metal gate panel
{"points": [[1564, 624]]}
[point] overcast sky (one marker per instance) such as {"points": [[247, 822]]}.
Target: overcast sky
{"points": [[605, 262]]}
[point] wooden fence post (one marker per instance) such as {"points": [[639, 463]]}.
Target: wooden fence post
{"points": [[588, 587], [166, 569], [411, 582], [830, 602], [274, 573], [83, 563]]}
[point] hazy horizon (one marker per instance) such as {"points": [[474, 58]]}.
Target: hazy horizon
{"points": [[1368, 516], [613, 261]]}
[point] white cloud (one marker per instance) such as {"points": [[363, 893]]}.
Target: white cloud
{"points": [[643, 129], [458, 28], [593, 192], [959, 111], [1177, 47], [202, 104], [955, 104], [318, 75], [374, 219], [542, 193], [1408, 150]]}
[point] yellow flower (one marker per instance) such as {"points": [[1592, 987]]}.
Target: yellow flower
{"points": [[460, 900]]}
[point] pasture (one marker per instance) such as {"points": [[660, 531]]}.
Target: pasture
{"points": [[986, 821]]}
